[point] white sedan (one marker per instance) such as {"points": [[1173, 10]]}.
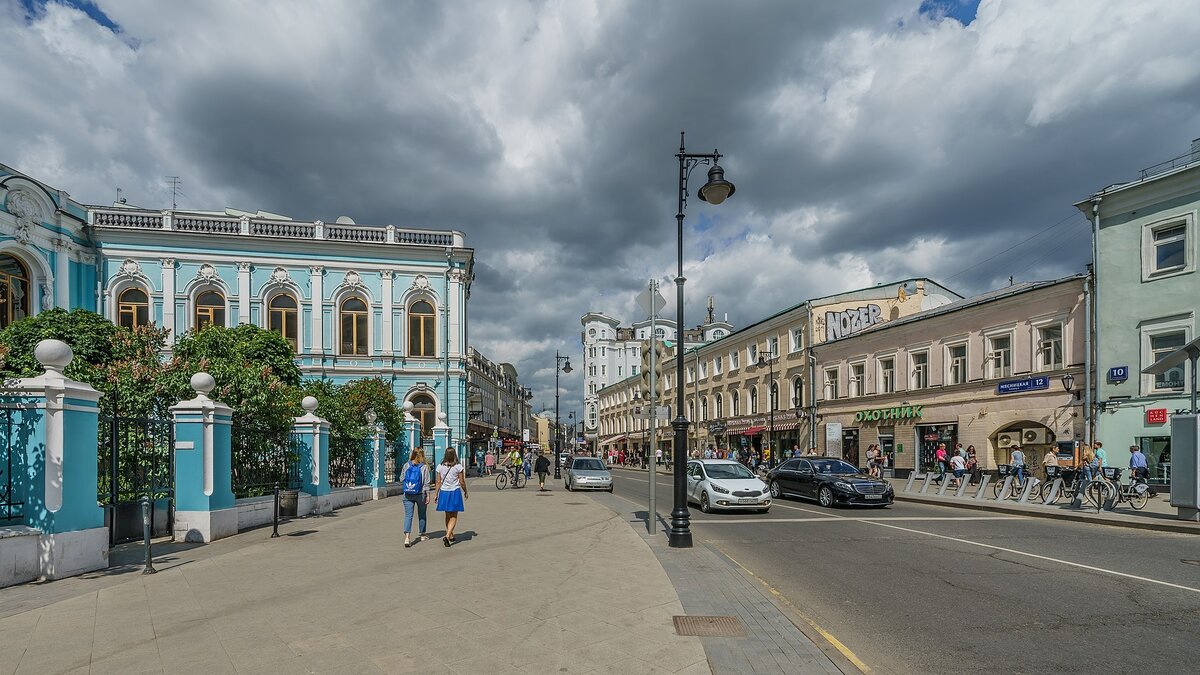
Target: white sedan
{"points": [[725, 484]]}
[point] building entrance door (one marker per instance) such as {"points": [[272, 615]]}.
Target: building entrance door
{"points": [[887, 449], [928, 438], [850, 446]]}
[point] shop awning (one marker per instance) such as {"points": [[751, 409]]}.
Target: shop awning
{"points": [[752, 431], [614, 439]]}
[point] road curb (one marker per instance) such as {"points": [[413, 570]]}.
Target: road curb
{"points": [[1180, 527]]}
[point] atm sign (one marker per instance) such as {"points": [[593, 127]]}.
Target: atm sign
{"points": [[1156, 416]]}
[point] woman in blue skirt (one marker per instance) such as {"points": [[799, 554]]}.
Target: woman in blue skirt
{"points": [[451, 491]]}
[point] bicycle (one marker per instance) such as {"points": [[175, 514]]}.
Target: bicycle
{"points": [[508, 475], [1018, 483], [1136, 492], [1103, 489], [1070, 483]]}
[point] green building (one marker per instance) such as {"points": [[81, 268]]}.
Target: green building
{"points": [[1146, 298]]}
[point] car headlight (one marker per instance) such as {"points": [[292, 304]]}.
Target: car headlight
{"points": [[843, 485], [718, 488]]}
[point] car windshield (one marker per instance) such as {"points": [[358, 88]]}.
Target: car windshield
{"points": [[588, 465], [727, 471], [835, 466]]}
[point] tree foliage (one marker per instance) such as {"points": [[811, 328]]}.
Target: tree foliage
{"points": [[121, 363], [345, 407]]}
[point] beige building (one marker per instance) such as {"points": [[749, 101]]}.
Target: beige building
{"points": [[732, 400], [988, 371]]}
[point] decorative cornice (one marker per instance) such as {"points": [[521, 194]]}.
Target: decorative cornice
{"points": [[243, 266], [316, 270], [387, 274]]}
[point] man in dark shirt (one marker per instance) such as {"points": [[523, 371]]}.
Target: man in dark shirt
{"points": [[542, 467]]}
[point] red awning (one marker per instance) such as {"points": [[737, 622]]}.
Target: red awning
{"points": [[753, 431]]}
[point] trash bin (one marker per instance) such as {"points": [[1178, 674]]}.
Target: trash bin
{"points": [[289, 502]]}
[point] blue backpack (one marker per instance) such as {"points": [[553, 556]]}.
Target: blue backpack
{"points": [[412, 479]]}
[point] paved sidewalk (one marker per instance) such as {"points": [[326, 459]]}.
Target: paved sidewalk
{"points": [[1158, 515], [529, 588], [711, 584]]}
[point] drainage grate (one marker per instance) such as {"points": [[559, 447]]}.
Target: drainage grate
{"points": [[709, 626]]}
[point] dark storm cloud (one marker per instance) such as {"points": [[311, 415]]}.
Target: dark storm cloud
{"points": [[868, 141]]}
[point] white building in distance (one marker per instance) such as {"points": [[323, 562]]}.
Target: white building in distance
{"points": [[612, 352]]}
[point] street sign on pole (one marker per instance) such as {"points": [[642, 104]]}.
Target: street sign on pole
{"points": [[650, 300]]}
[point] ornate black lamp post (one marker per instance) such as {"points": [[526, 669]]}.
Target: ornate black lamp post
{"points": [[715, 191], [566, 368]]}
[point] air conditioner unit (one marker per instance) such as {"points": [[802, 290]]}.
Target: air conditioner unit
{"points": [[1007, 439], [1034, 436]]}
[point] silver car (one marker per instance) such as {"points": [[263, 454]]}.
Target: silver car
{"points": [[587, 473], [725, 484]]}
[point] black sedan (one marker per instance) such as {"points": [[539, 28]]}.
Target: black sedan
{"points": [[829, 482]]}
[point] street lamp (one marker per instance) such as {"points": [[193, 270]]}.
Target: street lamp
{"points": [[772, 395], [715, 191], [566, 368]]}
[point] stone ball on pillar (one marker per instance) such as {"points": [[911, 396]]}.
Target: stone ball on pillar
{"points": [[408, 406], [203, 383], [441, 417], [54, 355], [309, 403]]}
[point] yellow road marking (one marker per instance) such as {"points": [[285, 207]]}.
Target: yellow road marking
{"points": [[837, 644]]}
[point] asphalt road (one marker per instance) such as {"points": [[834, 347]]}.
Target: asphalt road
{"points": [[918, 588]]}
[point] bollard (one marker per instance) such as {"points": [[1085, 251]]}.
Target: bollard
{"points": [[962, 485], [275, 517], [925, 485], [945, 483], [149, 568], [983, 483], [1052, 494], [911, 477]]}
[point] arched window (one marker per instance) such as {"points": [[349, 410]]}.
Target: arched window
{"points": [[704, 409], [133, 308], [797, 393], [659, 333], [422, 331], [692, 409], [753, 400], [774, 396], [425, 411], [354, 327], [14, 290], [735, 403], [210, 310], [720, 406], [282, 313]]}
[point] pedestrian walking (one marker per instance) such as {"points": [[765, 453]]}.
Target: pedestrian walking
{"points": [[973, 465], [939, 456], [490, 462], [1100, 454], [451, 491], [416, 485], [871, 466], [528, 464], [1087, 462], [542, 466], [959, 466]]}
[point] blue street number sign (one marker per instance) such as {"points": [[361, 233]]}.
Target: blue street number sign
{"points": [[1118, 373], [1027, 384]]}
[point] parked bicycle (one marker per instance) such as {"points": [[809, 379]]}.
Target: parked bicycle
{"points": [[1019, 481], [509, 476], [1070, 483], [1136, 492], [1104, 488]]}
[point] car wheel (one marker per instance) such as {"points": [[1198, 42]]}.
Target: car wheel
{"points": [[825, 496], [568, 486], [704, 505], [776, 493], [610, 489]]}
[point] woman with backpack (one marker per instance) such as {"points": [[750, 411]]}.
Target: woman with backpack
{"points": [[451, 491], [415, 482]]}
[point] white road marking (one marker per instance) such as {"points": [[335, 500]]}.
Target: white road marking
{"points": [[875, 521], [864, 519]]}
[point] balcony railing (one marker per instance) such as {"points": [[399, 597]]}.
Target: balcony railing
{"points": [[126, 219]]}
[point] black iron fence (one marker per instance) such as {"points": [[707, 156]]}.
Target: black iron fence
{"points": [[136, 459], [261, 462], [12, 458]]}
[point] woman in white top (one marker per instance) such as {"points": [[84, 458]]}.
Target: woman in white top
{"points": [[451, 490]]}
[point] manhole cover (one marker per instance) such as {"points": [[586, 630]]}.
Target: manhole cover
{"points": [[1190, 562], [709, 626]]}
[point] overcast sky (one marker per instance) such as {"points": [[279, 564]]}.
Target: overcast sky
{"points": [[869, 141]]}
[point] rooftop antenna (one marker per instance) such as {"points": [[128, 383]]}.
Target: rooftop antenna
{"points": [[120, 200], [711, 318], [175, 184], [1010, 280]]}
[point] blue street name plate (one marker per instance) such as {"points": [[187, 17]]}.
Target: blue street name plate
{"points": [[1027, 384], [1118, 373]]}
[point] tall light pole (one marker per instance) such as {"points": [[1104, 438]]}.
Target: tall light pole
{"points": [[772, 395], [715, 191], [566, 368]]}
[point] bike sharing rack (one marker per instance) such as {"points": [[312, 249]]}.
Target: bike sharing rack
{"points": [[1032, 486]]}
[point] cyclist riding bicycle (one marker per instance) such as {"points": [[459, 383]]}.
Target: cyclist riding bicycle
{"points": [[1137, 466], [514, 460], [1018, 463]]}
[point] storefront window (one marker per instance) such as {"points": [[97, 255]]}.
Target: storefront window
{"points": [[850, 446], [1160, 346], [928, 438], [1157, 450]]}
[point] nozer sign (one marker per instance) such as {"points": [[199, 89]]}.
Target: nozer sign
{"points": [[898, 413]]}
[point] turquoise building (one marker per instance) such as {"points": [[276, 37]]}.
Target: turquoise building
{"points": [[1146, 299], [354, 300]]}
